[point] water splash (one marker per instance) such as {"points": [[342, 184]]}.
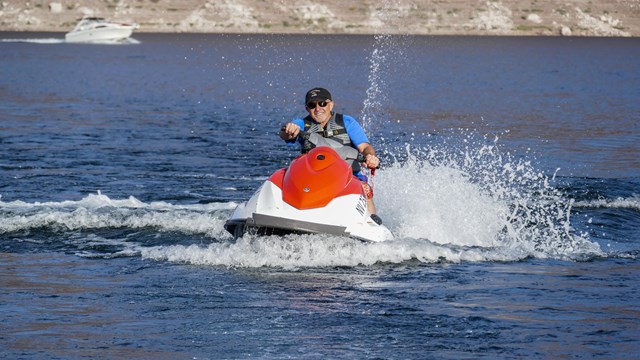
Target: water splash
{"points": [[373, 103], [474, 194], [387, 50], [461, 199]]}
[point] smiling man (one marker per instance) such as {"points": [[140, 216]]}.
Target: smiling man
{"points": [[345, 129]]}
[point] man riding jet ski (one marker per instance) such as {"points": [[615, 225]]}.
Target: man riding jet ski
{"points": [[317, 193], [343, 128]]}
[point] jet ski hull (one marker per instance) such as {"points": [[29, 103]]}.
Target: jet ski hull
{"points": [[345, 216], [299, 200]]}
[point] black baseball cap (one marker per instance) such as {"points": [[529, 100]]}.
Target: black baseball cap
{"points": [[317, 94]]}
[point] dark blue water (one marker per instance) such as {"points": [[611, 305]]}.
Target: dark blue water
{"points": [[510, 179]]}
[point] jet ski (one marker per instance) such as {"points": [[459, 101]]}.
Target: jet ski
{"points": [[316, 194]]}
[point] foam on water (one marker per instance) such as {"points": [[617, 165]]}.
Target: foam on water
{"points": [[296, 251], [35, 40], [98, 211], [48, 41], [454, 203], [618, 203], [476, 195], [478, 204]]}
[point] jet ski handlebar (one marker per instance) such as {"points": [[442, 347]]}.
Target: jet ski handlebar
{"points": [[347, 153]]}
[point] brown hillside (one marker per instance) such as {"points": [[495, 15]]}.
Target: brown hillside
{"points": [[452, 17]]}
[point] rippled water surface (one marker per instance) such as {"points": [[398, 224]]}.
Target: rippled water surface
{"points": [[510, 180]]}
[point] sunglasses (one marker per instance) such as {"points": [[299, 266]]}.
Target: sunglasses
{"points": [[312, 105]]}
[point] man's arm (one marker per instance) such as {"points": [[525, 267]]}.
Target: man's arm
{"points": [[359, 138], [371, 160]]}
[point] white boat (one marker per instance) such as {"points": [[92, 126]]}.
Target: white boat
{"points": [[96, 29]]}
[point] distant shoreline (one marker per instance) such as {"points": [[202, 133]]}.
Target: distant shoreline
{"points": [[62, 33], [574, 18]]}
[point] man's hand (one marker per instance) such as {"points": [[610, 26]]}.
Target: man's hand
{"points": [[372, 161], [289, 131]]}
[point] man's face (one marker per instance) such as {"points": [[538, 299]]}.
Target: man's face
{"points": [[319, 113]]}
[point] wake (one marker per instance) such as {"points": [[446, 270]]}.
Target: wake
{"points": [[442, 203]]}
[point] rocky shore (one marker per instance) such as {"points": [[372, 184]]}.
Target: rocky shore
{"points": [[619, 18]]}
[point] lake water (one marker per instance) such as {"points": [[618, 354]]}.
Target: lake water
{"points": [[510, 177]]}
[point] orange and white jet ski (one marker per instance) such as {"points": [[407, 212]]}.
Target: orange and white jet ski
{"points": [[317, 193]]}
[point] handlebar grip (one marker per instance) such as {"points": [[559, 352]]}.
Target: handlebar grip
{"points": [[362, 159]]}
